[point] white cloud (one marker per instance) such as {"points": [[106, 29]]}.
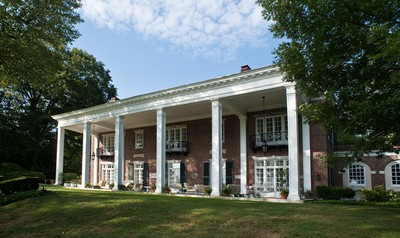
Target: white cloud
{"points": [[215, 28]]}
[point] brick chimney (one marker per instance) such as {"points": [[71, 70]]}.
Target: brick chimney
{"points": [[245, 68]]}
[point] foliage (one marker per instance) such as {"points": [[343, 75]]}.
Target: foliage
{"points": [[4, 200], [19, 184], [379, 194], [334, 193], [208, 190], [41, 76], [284, 191], [345, 55], [69, 177], [11, 170], [166, 189], [226, 191]]}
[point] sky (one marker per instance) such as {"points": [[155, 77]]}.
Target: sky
{"points": [[151, 45]]}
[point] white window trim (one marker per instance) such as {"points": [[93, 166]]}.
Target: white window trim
{"points": [[138, 132], [367, 177], [283, 130], [102, 176], [388, 176]]}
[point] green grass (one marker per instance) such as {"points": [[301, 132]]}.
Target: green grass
{"points": [[77, 213]]}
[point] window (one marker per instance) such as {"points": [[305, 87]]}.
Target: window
{"points": [[139, 139], [356, 174], [271, 174], [136, 172], [175, 173], [273, 129], [176, 138], [108, 144], [395, 175], [227, 172], [107, 172], [392, 175]]}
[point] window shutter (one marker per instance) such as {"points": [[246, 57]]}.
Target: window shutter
{"points": [[146, 174], [206, 173], [229, 172], [183, 173]]}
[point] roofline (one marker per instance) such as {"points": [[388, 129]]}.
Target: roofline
{"points": [[172, 91]]}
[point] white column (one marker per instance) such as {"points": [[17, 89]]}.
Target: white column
{"points": [[60, 155], [160, 153], [243, 155], [306, 156], [293, 141], [216, 166], [85, 153], [119, 145], [95, 169]]}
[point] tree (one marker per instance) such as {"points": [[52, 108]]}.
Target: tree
{"points": [[346, 54], [40, 76]]}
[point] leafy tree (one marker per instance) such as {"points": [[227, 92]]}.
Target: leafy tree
{"points": [[346, 54], [40, 76]]}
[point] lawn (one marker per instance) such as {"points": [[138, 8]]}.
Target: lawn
{"points": [[77, 213]]}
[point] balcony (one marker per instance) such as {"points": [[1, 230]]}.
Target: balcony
{"points": [[274, 139], [105, 152], [177, 147]]}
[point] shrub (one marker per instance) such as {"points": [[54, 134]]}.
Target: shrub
{"points": [[379, 194], [69, 177], [4, 200], [334, 193], [19, 184]]}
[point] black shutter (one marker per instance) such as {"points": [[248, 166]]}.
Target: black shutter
{"points": [[166, 174], [229, 172], [146, 174], [206, 173], [183, 173]]}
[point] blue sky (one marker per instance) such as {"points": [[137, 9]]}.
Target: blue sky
{"points": [[151, 45]]}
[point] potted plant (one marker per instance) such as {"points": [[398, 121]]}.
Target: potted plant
{"points": [[166, 189], [284, 193], [208, 190], [153, 188]]}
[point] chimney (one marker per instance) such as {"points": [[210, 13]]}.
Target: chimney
{"points": [[113, 99], [245, 68]]}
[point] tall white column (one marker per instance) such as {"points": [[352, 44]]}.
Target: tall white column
{"points": [[85, 153], [216, 167], [306, 156], [293, 143], [60, 155], [95, 169], [119, 145], [243, 155], [160, 153]]}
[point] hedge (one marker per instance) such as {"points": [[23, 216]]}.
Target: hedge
{"points": [[334, 193], [19, 184]]}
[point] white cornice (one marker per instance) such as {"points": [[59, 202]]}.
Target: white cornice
{"points": [[218, 87]]}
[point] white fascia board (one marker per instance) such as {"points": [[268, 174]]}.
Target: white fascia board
{"points": [[247, 82]]}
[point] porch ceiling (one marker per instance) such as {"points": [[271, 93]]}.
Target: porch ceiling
{"points": [[243, 103]]}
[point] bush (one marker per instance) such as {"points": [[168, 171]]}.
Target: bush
{"points": [[4, 200], [334, 193], [10, 170], [69, 177], [19, 184], [379, 194]]}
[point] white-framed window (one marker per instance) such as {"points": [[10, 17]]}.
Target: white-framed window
{"points": [[107, 172], [392, 175], [136, 171], [357, 176], [176, 138], [174, 173], [271, 174], [274, 129], [108, 144], [139, 139]]}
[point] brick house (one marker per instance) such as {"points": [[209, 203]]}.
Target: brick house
{"points": [[240, 129]]}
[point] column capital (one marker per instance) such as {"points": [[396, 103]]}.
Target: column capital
{"points": [[290, 89]]}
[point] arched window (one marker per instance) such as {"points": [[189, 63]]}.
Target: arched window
{"points": [[357, 175], [392, 175]]}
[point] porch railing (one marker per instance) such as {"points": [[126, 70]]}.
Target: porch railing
{"points": [[102, 151], [177, 147], [273, 139]]}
